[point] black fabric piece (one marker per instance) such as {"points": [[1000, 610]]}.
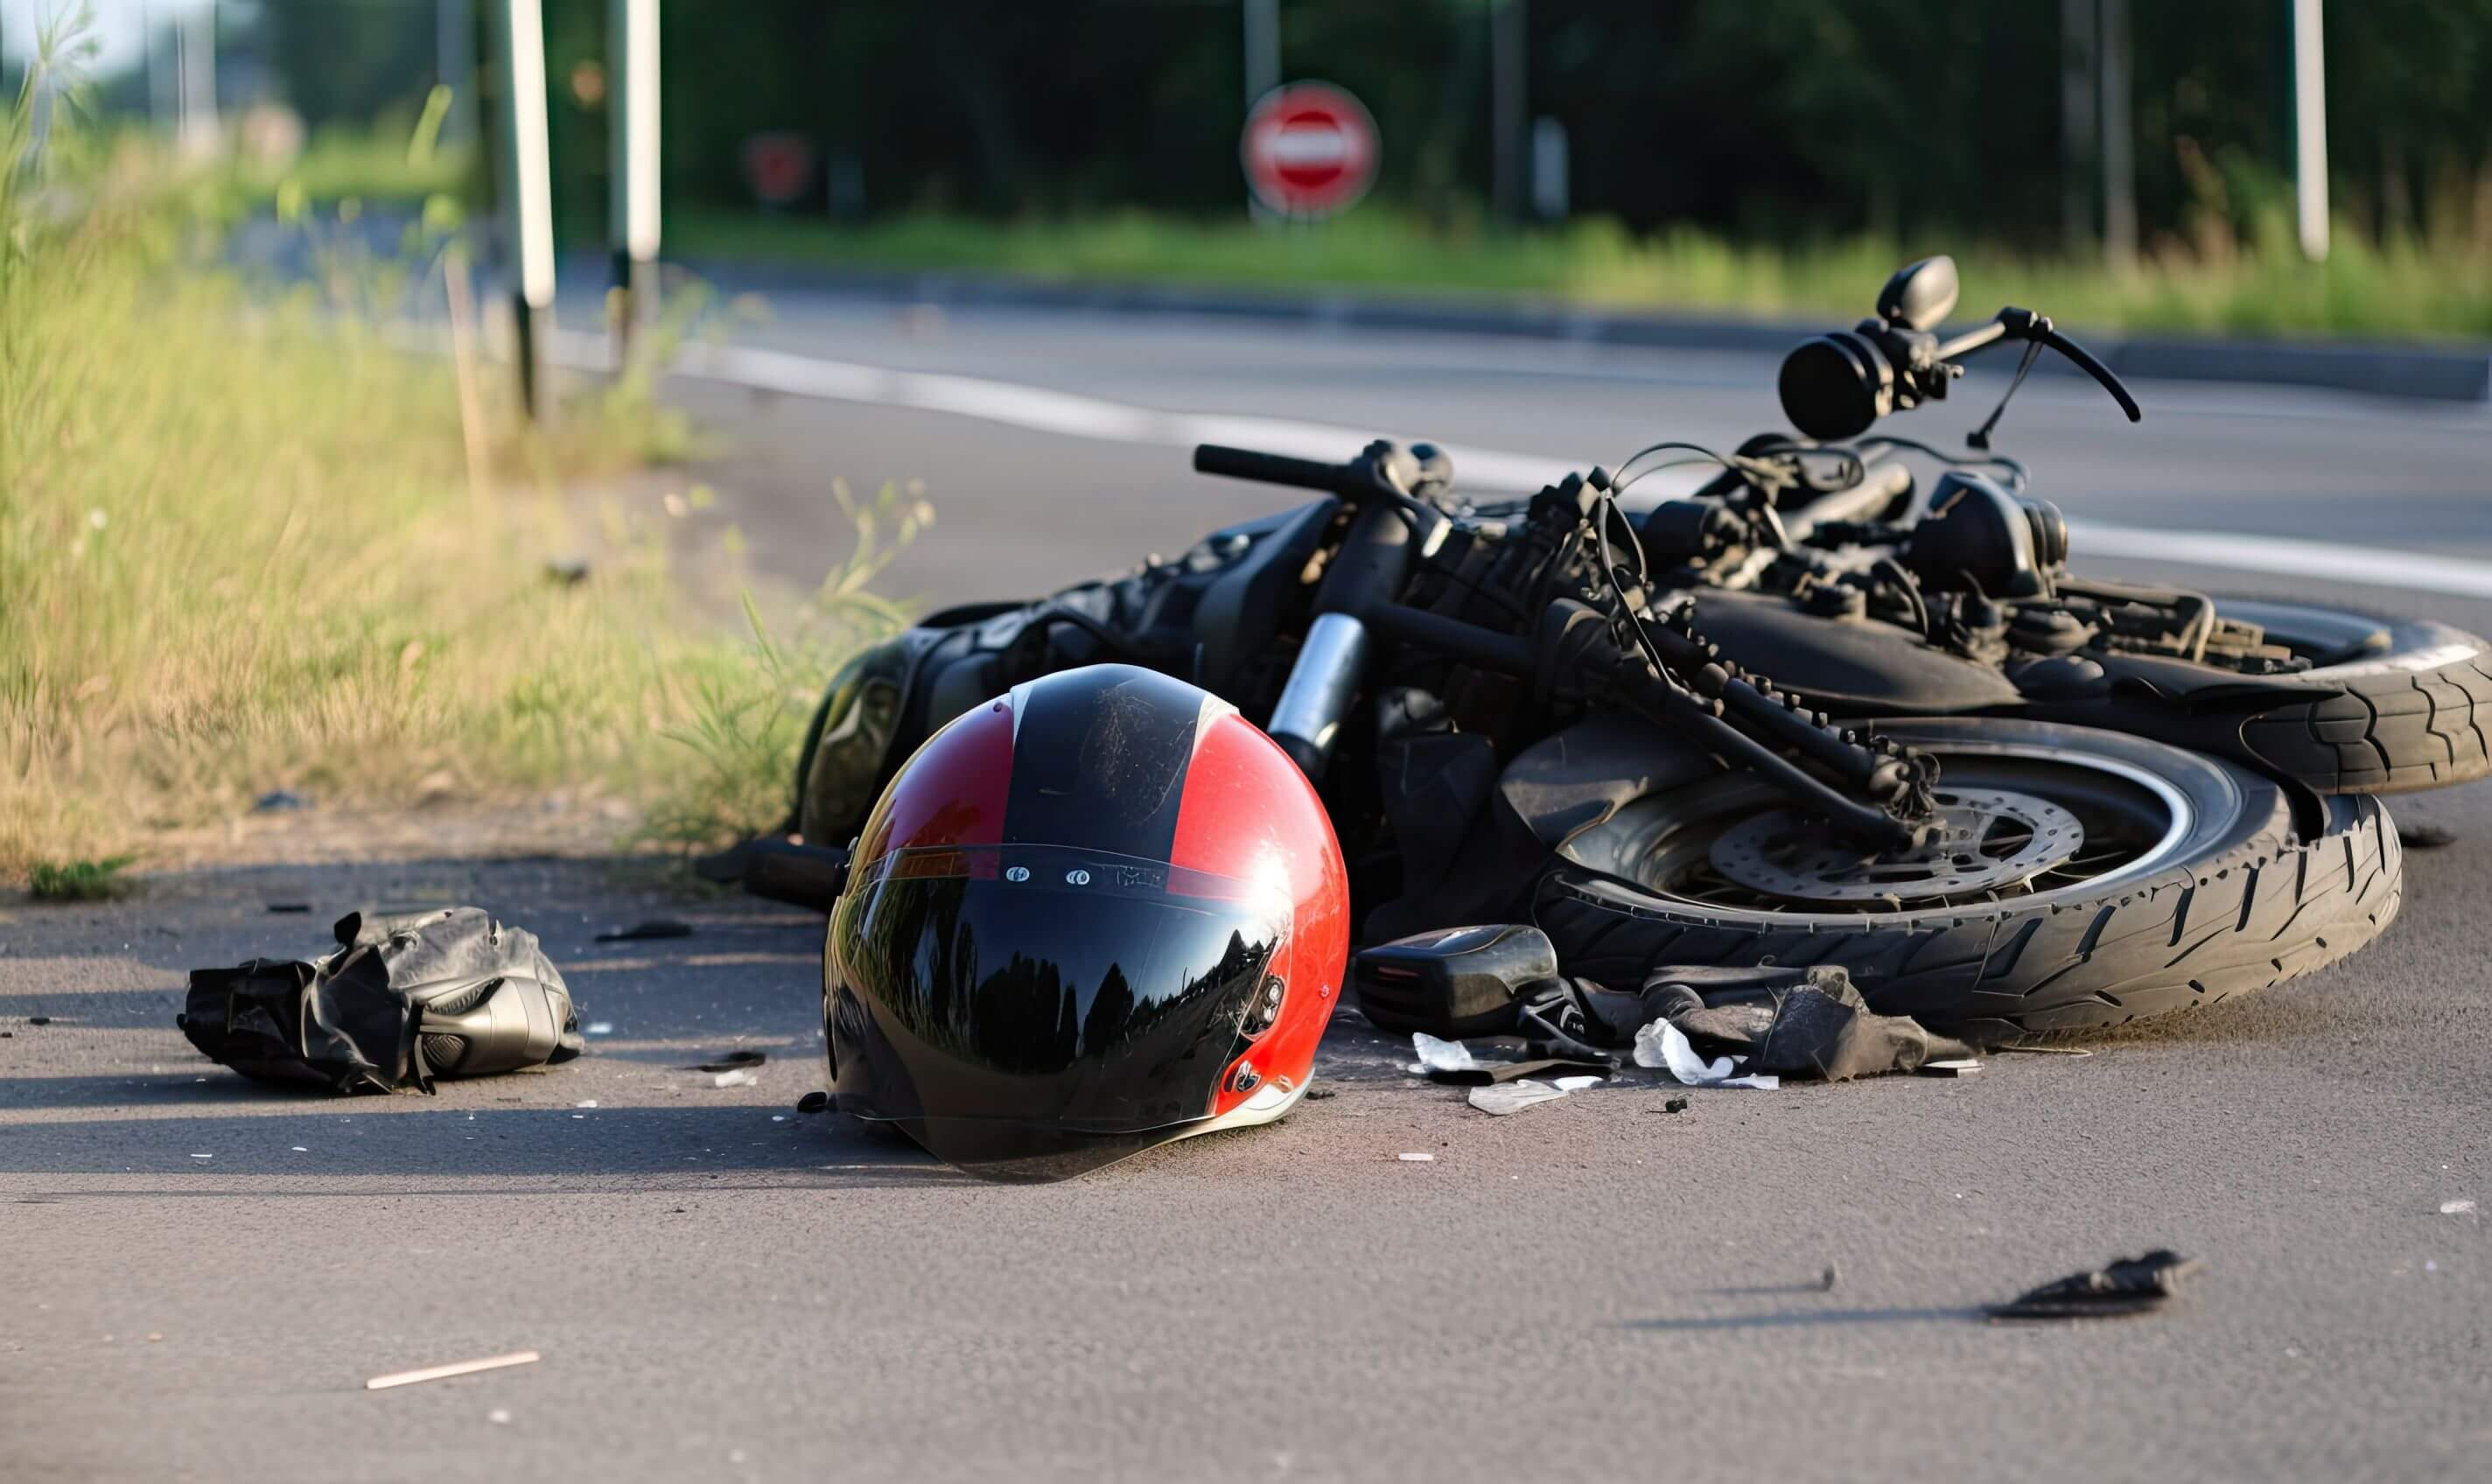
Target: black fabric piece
{"points": [[399, 1002], [1432, 786], [2129, 1285], [1789, 1022]]}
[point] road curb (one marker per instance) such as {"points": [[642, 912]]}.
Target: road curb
{"points": [[2456, 374]]}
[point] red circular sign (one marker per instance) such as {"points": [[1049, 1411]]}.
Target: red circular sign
{"points": [[1309, 150]]}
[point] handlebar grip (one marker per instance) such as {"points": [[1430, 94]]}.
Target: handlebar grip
{"points": [[1275, 468]]}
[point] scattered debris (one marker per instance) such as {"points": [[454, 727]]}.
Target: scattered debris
{"points": [[202, 1156], [1499, 1099], [1675, 1105], [39, 1019], [2026, 1048], [1662, 1044], [599, 1029], [585, 1103], [1318, 1094], [1953, 1066], [813, 1102], [1579, 1083], [2424, 837], [2457, 1208], [654, 928], [2129, 1285], [1416, 1158], [1826, 1280], [279, 801], [289, 908], [735, 1079], [1437, 1056], [455, 1368], [731, 1061], [498, 1416]]}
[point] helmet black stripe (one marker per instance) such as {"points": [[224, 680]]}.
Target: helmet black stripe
{"points": [[1103, 764]]}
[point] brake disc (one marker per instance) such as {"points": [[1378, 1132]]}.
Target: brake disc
{"points": [[1980, 841]]}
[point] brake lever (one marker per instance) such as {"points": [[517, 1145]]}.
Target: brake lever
{"points": [[2087, 363]]}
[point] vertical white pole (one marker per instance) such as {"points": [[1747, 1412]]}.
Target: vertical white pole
{"points": [[529, 181], [2309, 130], [198, 130], [632, 114]]}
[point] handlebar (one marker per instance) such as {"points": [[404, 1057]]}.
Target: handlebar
{"points": [[1384, 471], [1835, 386]]}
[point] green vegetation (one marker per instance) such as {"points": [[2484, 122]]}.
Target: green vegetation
{"points": [[94, 880], [2218, 284], [246, 543]]}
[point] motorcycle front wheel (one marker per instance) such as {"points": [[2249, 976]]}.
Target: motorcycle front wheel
{"points": [[2080, 879]]}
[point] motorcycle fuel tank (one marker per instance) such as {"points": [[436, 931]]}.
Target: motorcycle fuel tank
{"points": [[1853, 666]]}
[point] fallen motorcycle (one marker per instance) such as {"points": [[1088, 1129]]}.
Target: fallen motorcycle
{"points": [[1540, 724], [1815, 560]]}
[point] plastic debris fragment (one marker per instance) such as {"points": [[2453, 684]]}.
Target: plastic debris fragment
{"points": [[1503, 1098], [1664, 1045]]}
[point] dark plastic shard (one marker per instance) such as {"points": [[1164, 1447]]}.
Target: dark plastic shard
{"points": [[731, 1061], [2129, 1285], [654, 928]]}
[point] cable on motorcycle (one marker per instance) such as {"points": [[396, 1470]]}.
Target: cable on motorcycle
{"points": [[2017, 475]]}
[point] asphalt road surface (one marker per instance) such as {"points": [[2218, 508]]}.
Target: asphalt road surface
{"points": [[722, 1288]]}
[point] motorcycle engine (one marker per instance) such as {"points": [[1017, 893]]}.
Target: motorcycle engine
{"points": [[1975, 530]]}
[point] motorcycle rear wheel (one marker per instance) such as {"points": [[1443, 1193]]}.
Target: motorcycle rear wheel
{"points": [[2200, 880]]}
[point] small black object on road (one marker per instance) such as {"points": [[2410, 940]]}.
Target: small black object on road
{"points": [[2129, 1285], [813, 1102], [654, 928]]}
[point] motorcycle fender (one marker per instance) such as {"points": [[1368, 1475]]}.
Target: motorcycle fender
{"points": [[2199, 688]]}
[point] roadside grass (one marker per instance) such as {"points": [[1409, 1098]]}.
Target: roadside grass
{"points": [[2253, 282], [246, 543], [85, 880]]}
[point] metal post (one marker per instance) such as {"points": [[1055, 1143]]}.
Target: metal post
{"points": [[1508, 45], [454, 65], [196, 40], [527, 206], [2119, 148], [1262, 19], [1548, 182], [2077, 123], [632, 128], [2309, 130]]}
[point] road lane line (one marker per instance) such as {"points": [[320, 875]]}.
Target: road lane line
{"points": [[1071, 414]]}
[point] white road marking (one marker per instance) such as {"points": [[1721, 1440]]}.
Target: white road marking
{"points": [[1071, 414]]}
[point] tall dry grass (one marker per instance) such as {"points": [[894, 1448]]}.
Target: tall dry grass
{"points": [[240, 551]]}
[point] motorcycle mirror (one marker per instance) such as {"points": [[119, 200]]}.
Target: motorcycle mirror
{"points": [[1921, 295]]}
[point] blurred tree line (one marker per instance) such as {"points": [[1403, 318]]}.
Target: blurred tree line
{"points": [[1751, 116]]}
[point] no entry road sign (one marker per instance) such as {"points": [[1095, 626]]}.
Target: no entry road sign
{"points": [[1309, 150]]}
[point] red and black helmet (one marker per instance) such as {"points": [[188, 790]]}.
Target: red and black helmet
{"points": [[1096, 915]]}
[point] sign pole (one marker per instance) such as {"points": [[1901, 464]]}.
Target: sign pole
{"points": [[632, 37], [2309, 130], [528, 204]]}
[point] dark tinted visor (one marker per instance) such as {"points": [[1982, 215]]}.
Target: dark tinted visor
{"points": [[1038, 1011]]}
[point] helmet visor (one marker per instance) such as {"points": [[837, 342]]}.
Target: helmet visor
{"points": [[1035, 1012]]}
